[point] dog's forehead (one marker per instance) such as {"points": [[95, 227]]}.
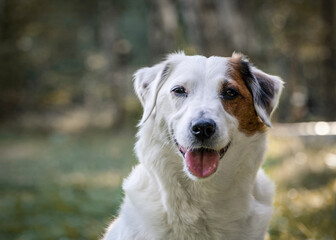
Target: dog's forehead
{"points": [[217, 66], [202, 68]]}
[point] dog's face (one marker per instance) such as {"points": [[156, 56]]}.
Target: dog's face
{"points": [[204, 102]]}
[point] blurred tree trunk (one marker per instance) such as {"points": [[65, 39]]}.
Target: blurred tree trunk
{"points": [[163, 27], [328, 81], [231, 24], [2, 13], [12, 68], [108, 37], [194, 31]]}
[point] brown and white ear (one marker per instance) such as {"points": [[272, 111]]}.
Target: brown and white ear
{"points": [[266, 92], [266, 89], [147, 84]]}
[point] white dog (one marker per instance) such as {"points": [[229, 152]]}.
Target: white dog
{"points": [[200, 145]]}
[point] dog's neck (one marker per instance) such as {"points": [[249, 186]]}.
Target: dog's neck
{"points": [[187, 201]]}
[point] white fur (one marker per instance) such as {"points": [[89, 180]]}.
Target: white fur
{"points": [[162, 199]]}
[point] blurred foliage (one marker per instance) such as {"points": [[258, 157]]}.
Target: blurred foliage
{"points": [[60, 186], [61, 55]]}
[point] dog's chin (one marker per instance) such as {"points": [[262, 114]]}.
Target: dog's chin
{"points": [[201, 163]]}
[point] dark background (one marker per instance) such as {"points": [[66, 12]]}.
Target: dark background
{"points": [[68, 111], [60, 56]]}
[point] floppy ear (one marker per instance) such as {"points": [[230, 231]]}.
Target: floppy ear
{"points": [[266, 94], [147, 83], [266, 89]]}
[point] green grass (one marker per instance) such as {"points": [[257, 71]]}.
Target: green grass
{"points": [[59, 186]]}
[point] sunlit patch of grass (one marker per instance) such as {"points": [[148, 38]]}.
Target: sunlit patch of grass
{"points": [[109, 178], [305, 205]]}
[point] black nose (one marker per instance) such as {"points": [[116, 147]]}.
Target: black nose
{"points": [[203, 129]]}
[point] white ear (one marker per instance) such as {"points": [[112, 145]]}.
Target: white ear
{"points": [[147, 83]]}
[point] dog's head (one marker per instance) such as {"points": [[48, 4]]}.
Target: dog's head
{"points": [[204, 103]]}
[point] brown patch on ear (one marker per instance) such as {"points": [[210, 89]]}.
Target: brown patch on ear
{"points": [[242, 107]]}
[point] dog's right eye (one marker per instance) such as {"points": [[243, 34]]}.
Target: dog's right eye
{"points": [[179, 91]]}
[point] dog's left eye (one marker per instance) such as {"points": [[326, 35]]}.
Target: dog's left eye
{"points": [[179, 91]]}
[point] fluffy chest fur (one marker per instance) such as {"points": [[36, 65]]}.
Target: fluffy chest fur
{"points": [[162, 203]]}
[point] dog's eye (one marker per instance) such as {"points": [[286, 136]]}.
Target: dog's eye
{"points": [[230, 94], [179, 91]]}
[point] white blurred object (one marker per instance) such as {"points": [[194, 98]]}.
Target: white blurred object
{"points": [[304, 129], [330, 160]]}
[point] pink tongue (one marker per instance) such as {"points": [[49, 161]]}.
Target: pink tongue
{"points": [[202, 163]]}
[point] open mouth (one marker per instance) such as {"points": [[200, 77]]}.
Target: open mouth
{"points": [[202, 162]]}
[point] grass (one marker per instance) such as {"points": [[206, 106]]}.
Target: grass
{"points": [[59, 186], [305, 205]]}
